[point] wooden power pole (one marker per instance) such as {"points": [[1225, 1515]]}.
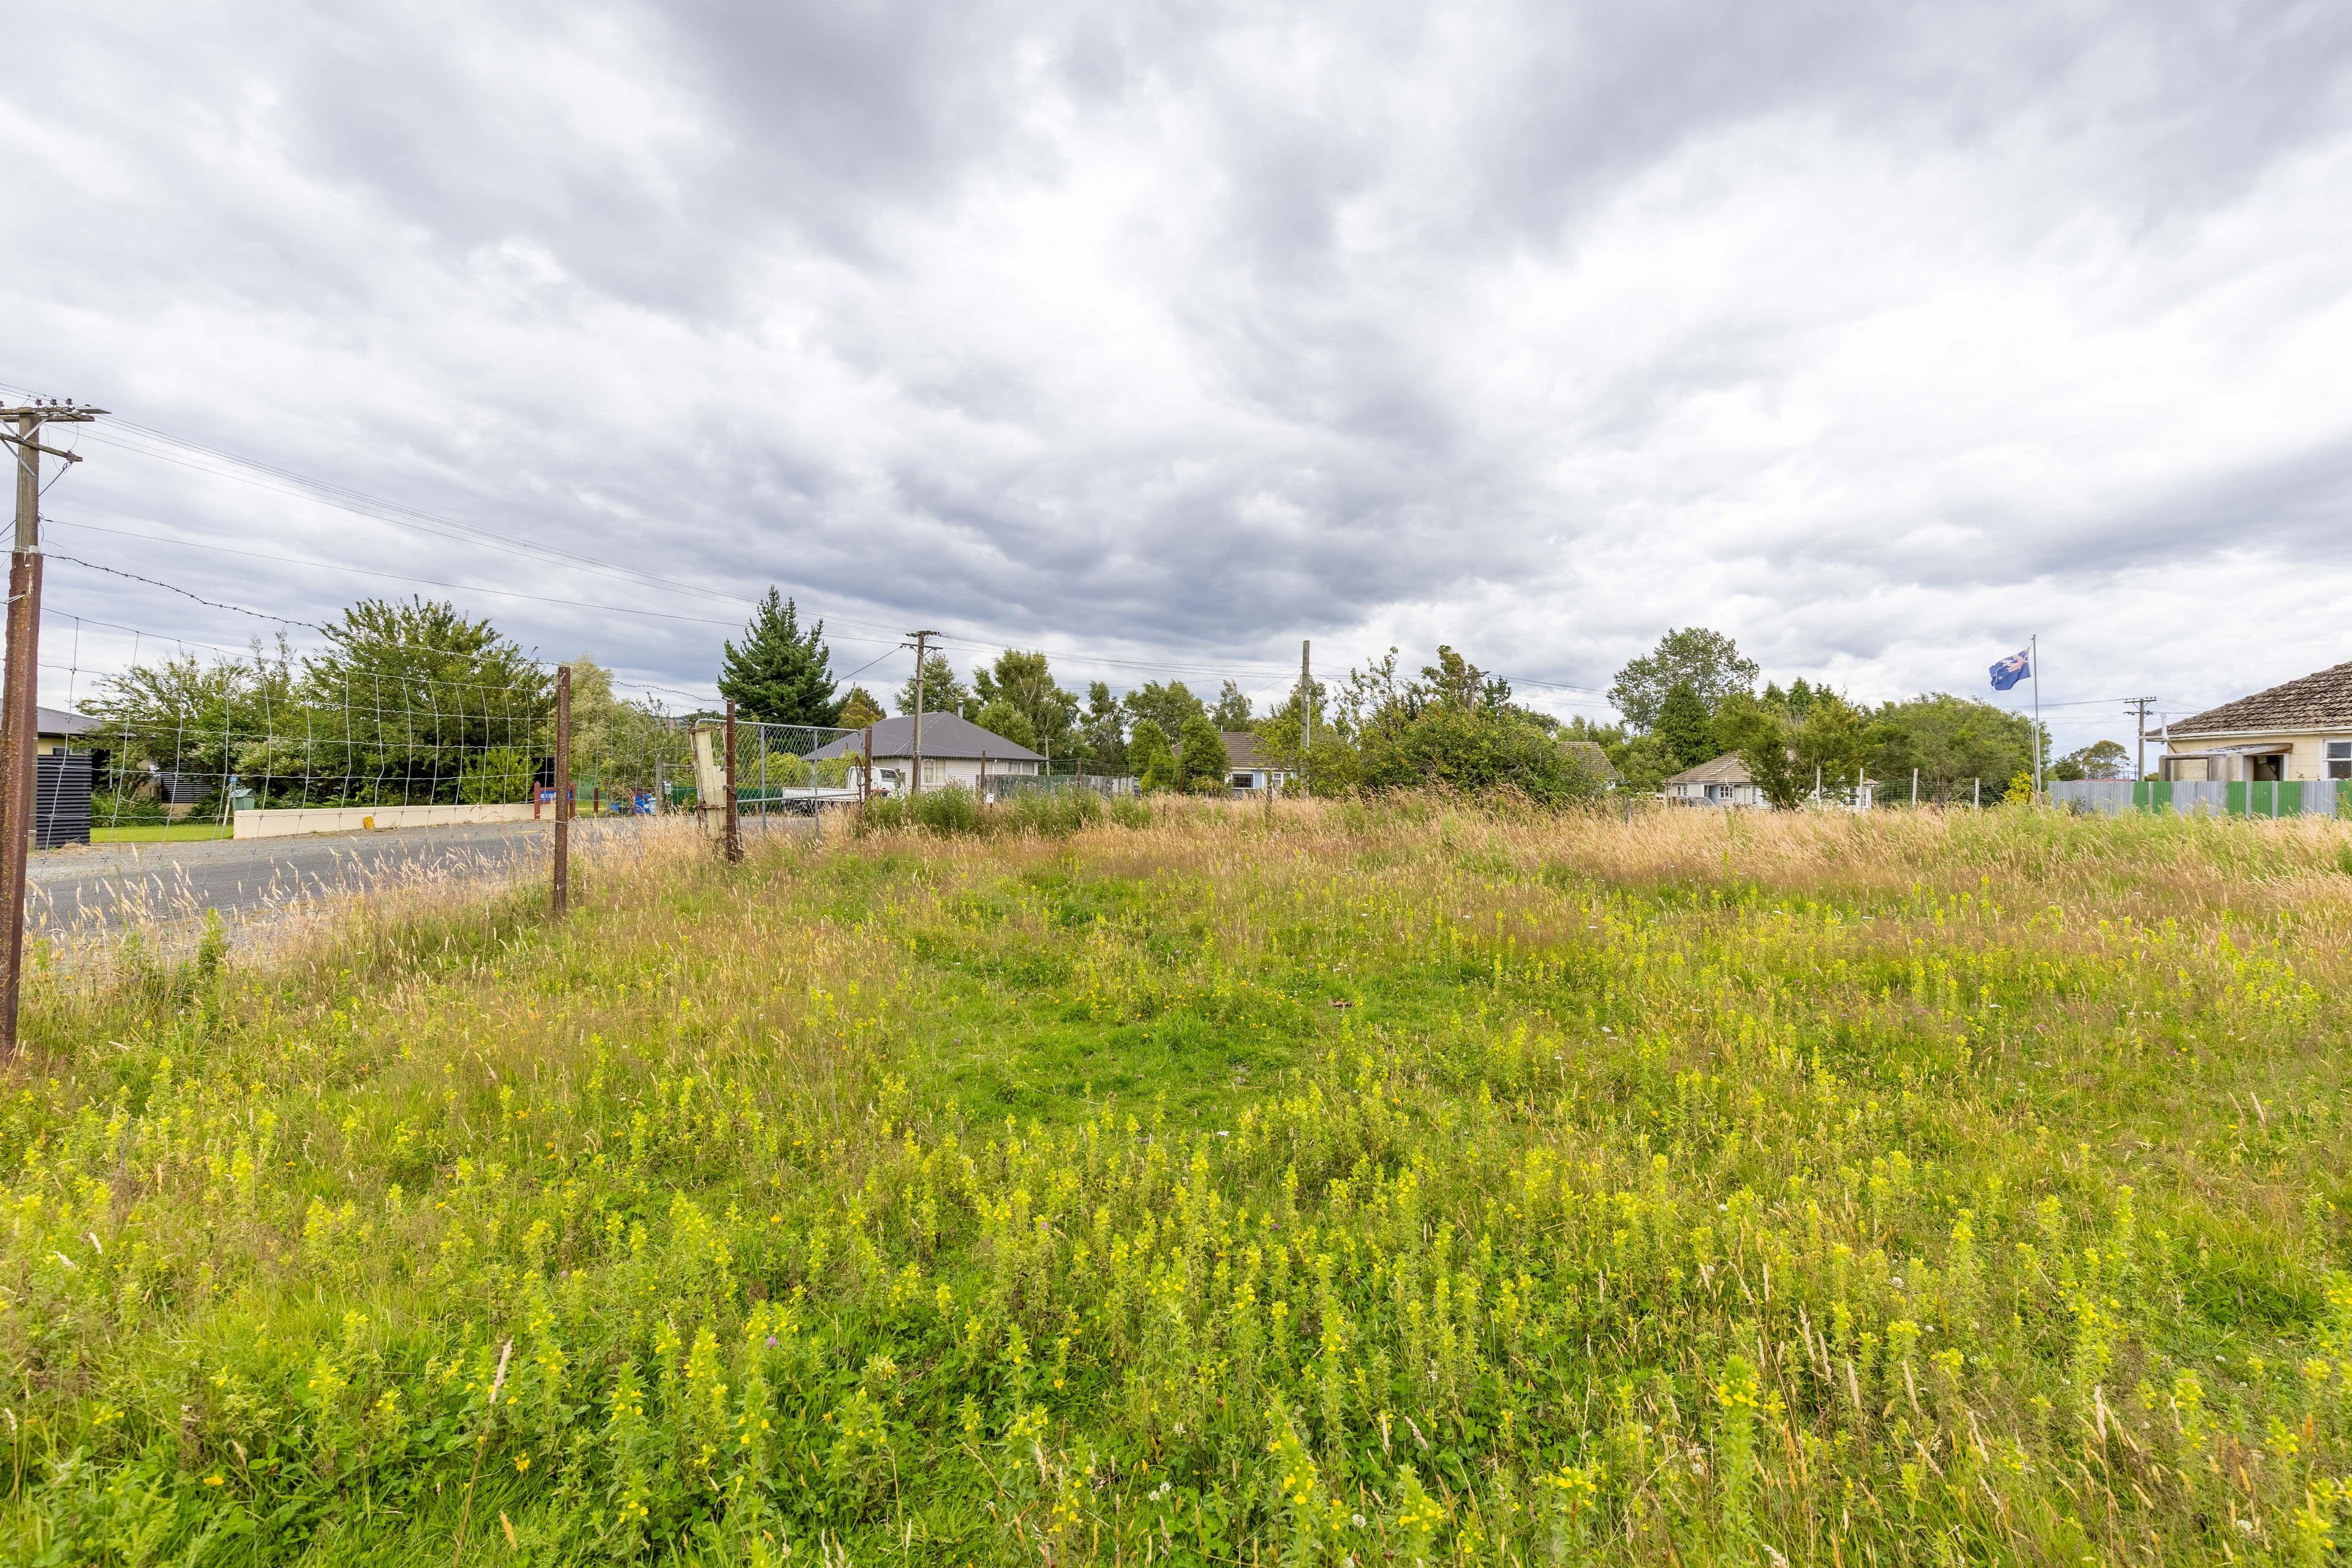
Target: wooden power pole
{"points": [[922, 641], [563, 788], [20, 691]]}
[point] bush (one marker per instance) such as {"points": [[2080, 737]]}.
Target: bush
{"points": [[952, 809], [108, 807], [498, 777]]}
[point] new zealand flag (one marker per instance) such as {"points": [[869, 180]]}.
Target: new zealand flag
{"points": [[2011, 670]]}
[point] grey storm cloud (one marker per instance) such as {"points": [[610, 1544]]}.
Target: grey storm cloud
{"points": [[1880, 336]]}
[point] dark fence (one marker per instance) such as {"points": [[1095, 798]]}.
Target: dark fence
{"points": [[61, 781]]}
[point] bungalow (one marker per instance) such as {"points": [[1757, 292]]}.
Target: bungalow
{"points": [[1723, 782], [955, 751], [1727, 781], [1249, 770], [2302, 729]]}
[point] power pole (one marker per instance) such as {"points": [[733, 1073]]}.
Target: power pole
{"points": [[20, 691], [562, 789], [922, 641], [2139, 735], [1306, 709]]}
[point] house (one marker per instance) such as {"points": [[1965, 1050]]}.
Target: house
{"points": [[1249, 770], [2302, 729], [1727, 781], [955, 751], [58, 729], [1723, 782]]}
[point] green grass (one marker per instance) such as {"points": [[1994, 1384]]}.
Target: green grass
{"points": [[159, 833], [1400, 1184]]}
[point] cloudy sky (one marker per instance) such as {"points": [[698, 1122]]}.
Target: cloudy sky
{"points": [[1162, 337]]}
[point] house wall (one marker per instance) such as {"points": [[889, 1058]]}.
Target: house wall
{"points": [[2306, 755], [941, 771]]}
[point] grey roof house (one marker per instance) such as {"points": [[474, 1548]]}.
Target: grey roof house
{"points": [[955, 751]]}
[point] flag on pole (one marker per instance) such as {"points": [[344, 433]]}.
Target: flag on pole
{"points": [[2010, 671]]}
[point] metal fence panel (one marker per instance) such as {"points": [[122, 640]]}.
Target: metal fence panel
{"points": [[2185, 797]]}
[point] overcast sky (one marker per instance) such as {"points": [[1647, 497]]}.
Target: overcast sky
{"points": [[1878, 336]]}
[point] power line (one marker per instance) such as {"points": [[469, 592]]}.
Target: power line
{"points": [[199, 598]]}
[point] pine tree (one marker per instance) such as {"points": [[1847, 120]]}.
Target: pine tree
{"points": [[1686, 726], [781, 675]]}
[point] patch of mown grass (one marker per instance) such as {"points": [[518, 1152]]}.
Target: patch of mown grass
{"points": [[1385, 1183]]}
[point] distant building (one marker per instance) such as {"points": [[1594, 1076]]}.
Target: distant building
{"points": [[62, 730], [2301, 730], [1723, 782], [1249, 769], [955, 751], [1727, 781]]}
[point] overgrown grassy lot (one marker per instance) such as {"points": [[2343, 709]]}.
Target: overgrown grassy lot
{"points": [[1396, 1184]]}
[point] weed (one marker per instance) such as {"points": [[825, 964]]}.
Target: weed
{"points": [[1390, 1183]]}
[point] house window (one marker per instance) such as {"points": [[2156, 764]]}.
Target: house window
{"points": [[935, 771], [2339, 759]]}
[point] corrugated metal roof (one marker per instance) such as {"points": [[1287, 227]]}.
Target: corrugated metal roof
{"points": [[66, 722]]}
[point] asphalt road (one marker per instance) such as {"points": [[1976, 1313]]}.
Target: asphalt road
{"points": [[83, 888], [91, 889]]}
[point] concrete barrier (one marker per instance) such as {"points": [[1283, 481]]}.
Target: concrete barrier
{"points": [[283, 822]]}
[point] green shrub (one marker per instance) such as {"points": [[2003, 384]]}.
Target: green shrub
{"points": [[498, 777]]}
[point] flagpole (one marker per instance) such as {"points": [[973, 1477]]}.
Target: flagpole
{"points": [[2033, 654]]}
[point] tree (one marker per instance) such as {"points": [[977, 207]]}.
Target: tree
{"points": [[1201, 760], [403, 693], [1104, 733], [1789, 754], [942, 692], [1024, 683], [1166, 706], [1706, 661], [1965, 750], [2099, 759], [1152, 757], [781, 675], [859, 710], [616, 743], [1454, 728], [1003, 718], [1233, 710], [1686, 725], [1646, 763]]}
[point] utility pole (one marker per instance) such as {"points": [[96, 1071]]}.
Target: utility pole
{"points": [[20, 692], [1306, 709], [562, 789], [922, 641], [2138, 706], [734, 823]]}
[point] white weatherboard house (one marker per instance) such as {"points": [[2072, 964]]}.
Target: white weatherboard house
{"points": [[955, 751]]}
